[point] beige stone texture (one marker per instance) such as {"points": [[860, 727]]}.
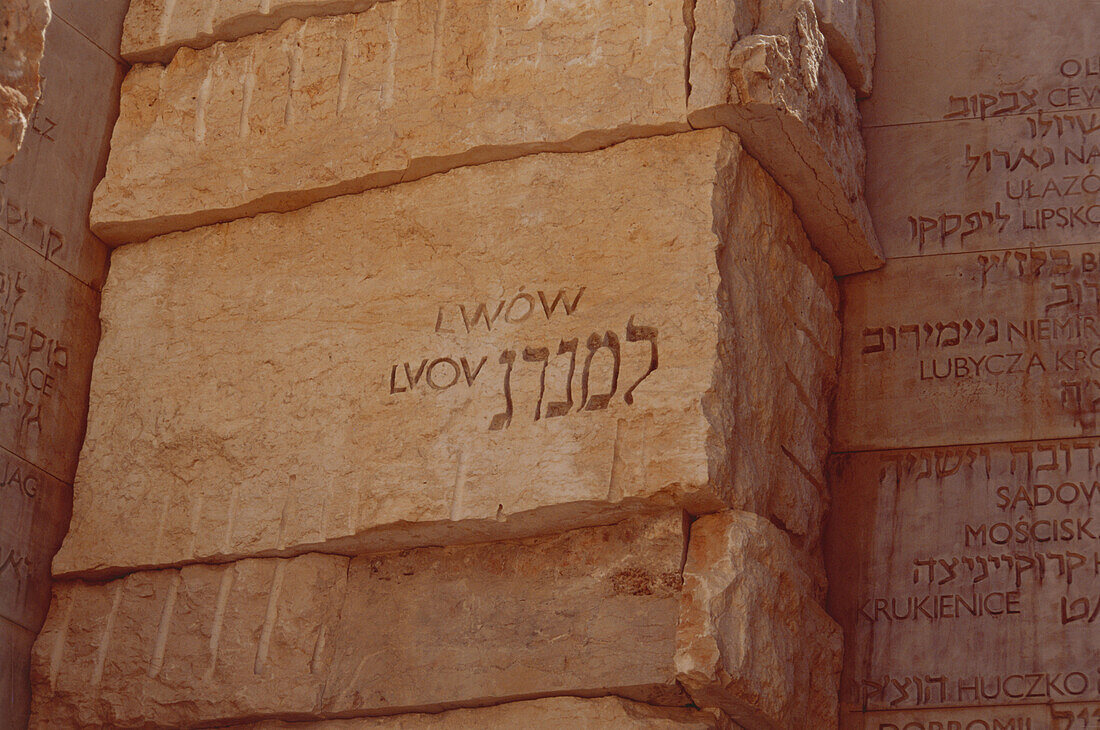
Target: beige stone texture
{"points": [[1002, 592], [974, 347], [849, 28], [22, 36], [338, 104], [753, 640], [322, 334], [605, 713], [156, 29], [589, 612], [46, 192]]}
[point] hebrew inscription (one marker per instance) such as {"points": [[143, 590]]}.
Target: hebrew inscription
{"points": [[1016, 550], [1014, 335], [1013, 166]]}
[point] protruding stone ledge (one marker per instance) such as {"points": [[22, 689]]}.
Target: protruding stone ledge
{"points": [[376, 372], [573, 713], [408, 88]]}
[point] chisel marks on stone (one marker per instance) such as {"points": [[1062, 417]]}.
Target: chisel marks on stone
{"points": [[165, 625], [105, 638], [270, 617]]}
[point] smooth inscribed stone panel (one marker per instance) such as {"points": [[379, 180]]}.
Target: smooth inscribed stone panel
{"points": [[979, 185], [994, 609], [512, 349], [971, 348], [588, 612], [950, 59], [34, 514], [49, 329], [46, 192]]}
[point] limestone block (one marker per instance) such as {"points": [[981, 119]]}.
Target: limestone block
{"points": [[605, 713], [1002, 592], [849, 28], [337, 104], [46, 191], [753, 641], [981, 347], [589, 612], [518, 348], [777, 87], [22, 36], [156, 29]]}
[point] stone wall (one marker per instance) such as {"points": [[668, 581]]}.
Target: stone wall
{"points": [[464, 365], [963, 539], [51, 271]]}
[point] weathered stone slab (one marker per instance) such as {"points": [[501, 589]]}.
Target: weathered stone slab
{"points": [[422, 630], [35, 508], [24, 24], [397, 368], [156, 29], [46, 192], [605, 713], [49, 325], [339, 104], [753, 641], [780, 91], [849, 28], [993, 609], [976, 347]]}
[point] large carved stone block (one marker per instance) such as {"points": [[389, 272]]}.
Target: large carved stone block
{"points": [[337, 104], [606, 713], [590, 612], [447, 626], [512, 349], [22, 36], [753, 640]]}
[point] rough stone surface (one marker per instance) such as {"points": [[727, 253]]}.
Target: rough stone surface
{"points": [[22, 37], [849, 28], [156, 29], [320, 335], [592, 611], [753, 641], [338, 104], [777, 87], [606, 713]]}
